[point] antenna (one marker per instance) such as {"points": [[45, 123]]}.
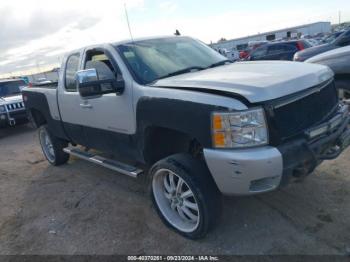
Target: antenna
{"points": [[127, 20]]}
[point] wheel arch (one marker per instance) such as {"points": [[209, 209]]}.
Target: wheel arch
{"points": [[174, 125], [37, 118], [161, 142]]}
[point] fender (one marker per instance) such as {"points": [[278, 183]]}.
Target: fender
{"points": [[191, 118], [38, 101]]}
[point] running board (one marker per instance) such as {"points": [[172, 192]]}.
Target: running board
{"points": [[105, 162]]}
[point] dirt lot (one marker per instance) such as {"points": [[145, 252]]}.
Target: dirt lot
{"points": [[80, 208]]}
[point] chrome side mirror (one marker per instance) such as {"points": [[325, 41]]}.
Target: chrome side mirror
{"points": [[89, 84], [88, 75]]}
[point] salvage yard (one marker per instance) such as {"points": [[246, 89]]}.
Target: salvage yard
{"points": [[80, 208]]}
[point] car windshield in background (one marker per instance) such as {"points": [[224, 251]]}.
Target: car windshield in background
{"points": [[150, 60], [11, 88]]}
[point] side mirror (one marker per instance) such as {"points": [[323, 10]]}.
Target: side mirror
{"points": [[89, 84]]}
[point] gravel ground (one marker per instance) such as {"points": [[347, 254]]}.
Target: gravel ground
{"points": [[80, 208]]}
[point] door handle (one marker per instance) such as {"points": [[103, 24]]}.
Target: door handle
{"points": [[85, 105]]}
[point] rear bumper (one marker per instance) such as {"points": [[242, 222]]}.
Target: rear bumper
{"points": [[263, 169]]}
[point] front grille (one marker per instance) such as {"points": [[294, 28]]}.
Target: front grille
{"points": [[15, 106], [292, 118]]}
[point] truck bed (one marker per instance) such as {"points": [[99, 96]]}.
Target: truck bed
{"points": [[52, 85]]}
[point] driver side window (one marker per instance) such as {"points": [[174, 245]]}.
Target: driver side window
{"points": [[99, 61], [104, 68]]}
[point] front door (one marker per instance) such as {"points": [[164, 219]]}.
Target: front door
{"points": [[109, 118]]}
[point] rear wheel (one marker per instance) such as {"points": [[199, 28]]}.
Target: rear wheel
{"points": [[52, 147], [185, 195]]}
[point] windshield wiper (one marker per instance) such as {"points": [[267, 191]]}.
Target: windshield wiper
{"points": [[220, 63], [182, 71]]}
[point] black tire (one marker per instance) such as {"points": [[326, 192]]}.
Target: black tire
{"points": [[58, 156], [195, 174]]}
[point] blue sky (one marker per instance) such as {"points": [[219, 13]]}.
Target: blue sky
{"points": [[37, 33]]}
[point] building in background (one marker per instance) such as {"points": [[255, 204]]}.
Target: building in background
{"points": [[287, 33]]}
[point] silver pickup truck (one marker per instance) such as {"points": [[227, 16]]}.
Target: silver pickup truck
{"points": [[199, 125], [12, 109]]}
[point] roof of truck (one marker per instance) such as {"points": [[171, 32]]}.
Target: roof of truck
{"points": [[122, 42], [130, 41]]}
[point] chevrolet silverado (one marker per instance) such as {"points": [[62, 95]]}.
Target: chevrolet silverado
{"points": [[199, 125]]}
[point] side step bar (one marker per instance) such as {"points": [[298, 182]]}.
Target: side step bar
{"points": [[105, 162]]}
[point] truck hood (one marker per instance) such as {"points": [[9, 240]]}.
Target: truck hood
{"points": [[257, 81], [11, 99]]}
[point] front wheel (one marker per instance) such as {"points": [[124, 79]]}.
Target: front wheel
{"points": [[52, 147], [185, 195]]}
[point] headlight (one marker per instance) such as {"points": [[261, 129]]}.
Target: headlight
{"points": [[2, 109], [239, 129]]}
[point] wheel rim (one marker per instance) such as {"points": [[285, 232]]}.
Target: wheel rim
{"points": [[47, 145], [176, 200]]}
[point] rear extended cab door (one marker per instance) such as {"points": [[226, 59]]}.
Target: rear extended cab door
{"points": [[69, 99]]}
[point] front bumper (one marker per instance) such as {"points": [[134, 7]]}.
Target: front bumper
{"points": [[13, 118], [257, 170]]}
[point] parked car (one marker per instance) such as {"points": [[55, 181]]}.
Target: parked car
{"points": [[232, 55], [340, 41], [255, 44], [278, 50], [339, 61], [330, 38], [196, 123], [252, 45], [12, 109], [312, 42], [244, 54]]}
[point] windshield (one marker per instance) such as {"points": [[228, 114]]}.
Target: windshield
{"points": [[11, 88], [150, 60]]}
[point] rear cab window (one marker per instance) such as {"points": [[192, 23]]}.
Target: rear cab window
{"points": [[71, 69]]}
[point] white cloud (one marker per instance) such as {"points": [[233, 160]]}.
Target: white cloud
{"points": [[40, 31], [82, 23]]}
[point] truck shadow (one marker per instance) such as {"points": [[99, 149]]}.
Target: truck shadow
{"points": [[13, 131]]}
